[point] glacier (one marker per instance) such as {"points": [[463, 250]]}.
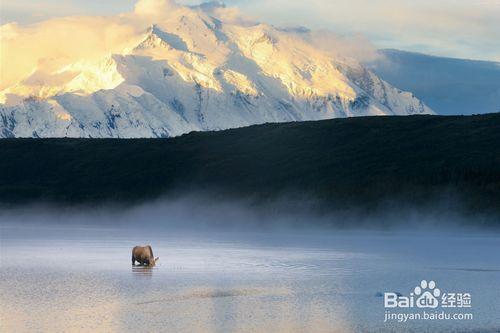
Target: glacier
{"points": [[191, 72]]}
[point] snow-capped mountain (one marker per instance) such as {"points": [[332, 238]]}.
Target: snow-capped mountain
{"points": [[194, 72]]}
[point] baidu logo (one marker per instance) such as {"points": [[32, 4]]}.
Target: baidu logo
{"points": [[424, 300], [428, 295], [425, 295]]}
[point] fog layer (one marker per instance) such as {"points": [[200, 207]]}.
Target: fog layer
{"points": [[206, 213]]}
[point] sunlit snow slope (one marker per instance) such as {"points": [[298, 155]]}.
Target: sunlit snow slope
{"points": [[188, 71]]}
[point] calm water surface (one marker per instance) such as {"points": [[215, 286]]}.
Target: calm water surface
{"points": [[81, 280]]}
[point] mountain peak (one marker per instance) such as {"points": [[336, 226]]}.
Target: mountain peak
{"points": [[190, 71], [156, 37]]}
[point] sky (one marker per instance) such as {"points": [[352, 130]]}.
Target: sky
{"points": [[455, 28]]}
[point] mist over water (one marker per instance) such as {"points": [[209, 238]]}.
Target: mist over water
{"points": [[236, 266], [203, 212]]}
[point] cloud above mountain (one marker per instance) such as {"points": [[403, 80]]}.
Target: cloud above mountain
{"points": [[459, 28], [155, 8], [40, 49], [51, 44]]}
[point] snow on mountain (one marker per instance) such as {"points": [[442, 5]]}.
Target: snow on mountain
{"points": [[194, 72]]}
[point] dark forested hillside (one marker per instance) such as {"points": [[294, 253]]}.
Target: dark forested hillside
{"points": [[341, 163]]}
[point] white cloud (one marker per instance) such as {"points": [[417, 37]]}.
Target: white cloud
{"points": [[447, 27], [57, 42], [154, 8], [41, 49], [355, 46], [461, 28]]}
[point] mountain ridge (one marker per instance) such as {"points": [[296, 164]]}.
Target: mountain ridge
{"points": [[193, 72], [448, 85]]}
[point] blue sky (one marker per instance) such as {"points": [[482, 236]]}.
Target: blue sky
{"points": [[456, 28]]}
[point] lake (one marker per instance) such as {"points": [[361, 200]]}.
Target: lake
{"points": [[69, 279]]}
